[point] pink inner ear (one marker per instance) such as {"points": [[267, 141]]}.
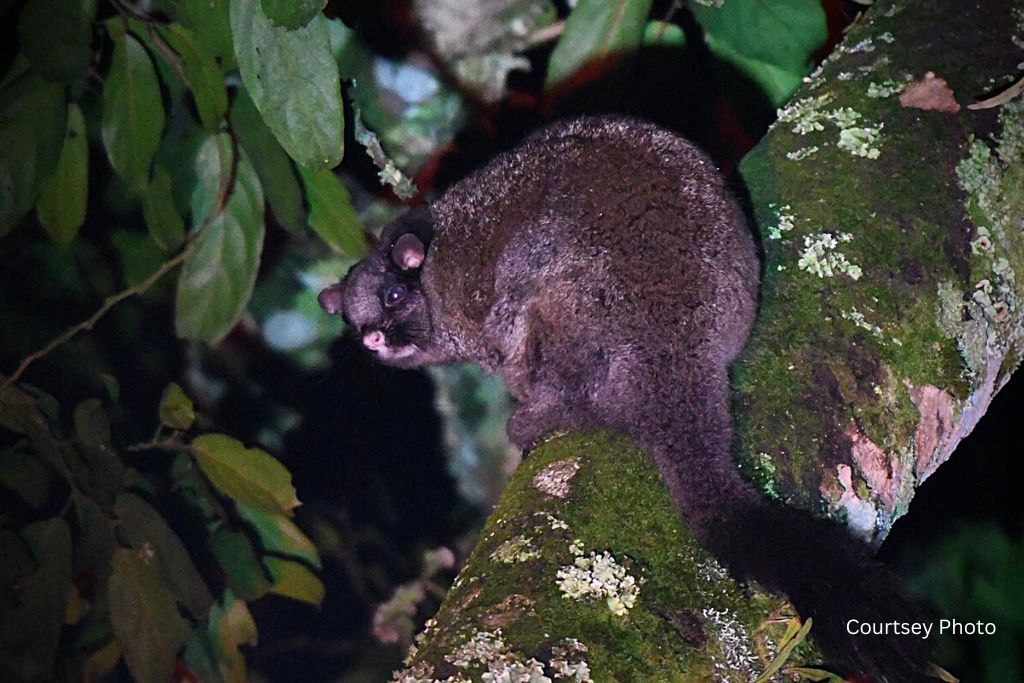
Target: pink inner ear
{"points": [[408, 252], [411, 260]]}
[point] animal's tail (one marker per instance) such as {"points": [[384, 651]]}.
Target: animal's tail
{"points": [[833, 578], [824, 571]]}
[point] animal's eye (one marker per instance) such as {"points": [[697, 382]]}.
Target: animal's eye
{"points": [[394, 295]]}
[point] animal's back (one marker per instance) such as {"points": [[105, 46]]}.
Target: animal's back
{"points": [[606, 213]]}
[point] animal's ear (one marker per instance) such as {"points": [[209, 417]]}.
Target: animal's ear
{"points": [[331, 298], [408, 252]]}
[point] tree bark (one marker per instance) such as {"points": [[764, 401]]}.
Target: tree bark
{"points": [[891, 315]]}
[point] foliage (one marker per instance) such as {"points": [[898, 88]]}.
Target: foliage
{"points": [[97, 566], [146, 136], [974, 574]]}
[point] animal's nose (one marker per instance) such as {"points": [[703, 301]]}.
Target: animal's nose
{"points": [[374, 340]]}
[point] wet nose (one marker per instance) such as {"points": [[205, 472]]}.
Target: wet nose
{"points": [[374, 340]]}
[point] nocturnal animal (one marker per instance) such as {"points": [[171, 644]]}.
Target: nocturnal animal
{"points": [[605, 271]]}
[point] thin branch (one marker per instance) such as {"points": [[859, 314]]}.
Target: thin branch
{"points": [[129, 10], [546, 34], [223, 194], [108, 304], [172, 443], [169, 54]]}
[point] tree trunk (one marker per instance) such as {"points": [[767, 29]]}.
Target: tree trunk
{"points": [[891, 315]]}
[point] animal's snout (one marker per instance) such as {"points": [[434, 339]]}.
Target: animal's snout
{"points": [[374, 340]]}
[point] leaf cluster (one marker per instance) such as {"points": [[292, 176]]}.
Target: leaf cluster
{"points": [[110, 556]]}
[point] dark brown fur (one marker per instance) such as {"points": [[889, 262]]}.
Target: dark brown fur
{"points": [[605, 271]]}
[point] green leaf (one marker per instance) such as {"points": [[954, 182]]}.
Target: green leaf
{"points": [[138, 253], [237, 556], [247, 475], [145, 618], [165, 224], [142, 527], [20, 414], [210, 22], [196, 492], [176, 409], [94, 540], [274, 168], [331, 214], [55, 35], [597, 29], [30, 625], [213, 651], [771, 41], [663, 34], [177, 155], [205, 77], [293, 80], [101, 472], [784, 653], [92, 426], [16, 562], [33, 117], [62, 202], [101, 662], [27, 476], [133, 113], [295, 581], [280, 535], [170, 74], [217, 278], [292, 14]]}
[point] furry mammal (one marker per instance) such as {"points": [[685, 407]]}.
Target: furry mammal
{"points": [[604, 270]]}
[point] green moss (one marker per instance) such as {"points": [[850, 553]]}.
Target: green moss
{"points": [[832, 350], [601, 515]]}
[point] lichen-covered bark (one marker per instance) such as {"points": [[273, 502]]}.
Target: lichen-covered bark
{"points": [[584, 509], [891, 310], [891, 315]]}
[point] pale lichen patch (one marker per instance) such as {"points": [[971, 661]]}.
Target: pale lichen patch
{"points": [[423, 673], [785, 223], [567, 661], [487, 653], [865, 45], [820, 256], [964, 322], [517, 549], [861, 141], [734, 644], [802, 153], [554, 479], [553, 523], [600, 575], [806, 114], [1011, 138], [886, 88]]}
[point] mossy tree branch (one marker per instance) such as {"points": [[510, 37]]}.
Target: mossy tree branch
{"points": [[892, 313]]}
